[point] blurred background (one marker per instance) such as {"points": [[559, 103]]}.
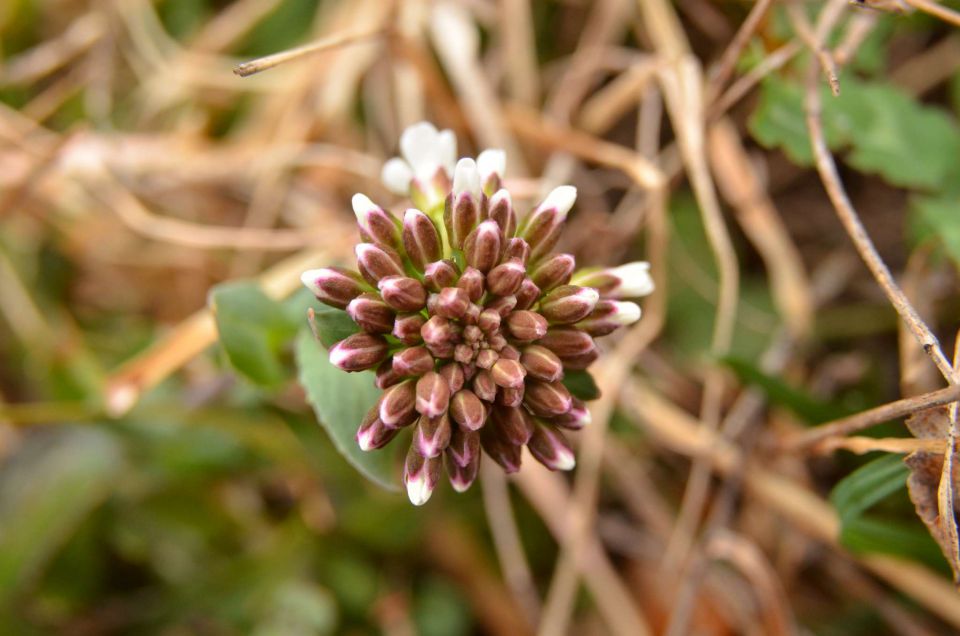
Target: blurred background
{"points": [[149, 485]]}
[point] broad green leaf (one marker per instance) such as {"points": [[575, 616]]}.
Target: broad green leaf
{"points": [[50, 485], [868, 485], [908, 540], [779, 392], [340, 401], [778, 120], [332, 325], [254, 330], [581, 384], [939, 217]]}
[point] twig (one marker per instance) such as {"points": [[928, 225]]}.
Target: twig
{"points": [[936, 10], [719, 75], [745, 84], [862, 445], [270, 61]]}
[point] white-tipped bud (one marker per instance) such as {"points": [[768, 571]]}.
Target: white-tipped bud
{"points": [[635, 280], [466, 178], [492, 161], [418, 489], [396, 176], [561, 198], [363, 206], [446, 150], [626, 313]]}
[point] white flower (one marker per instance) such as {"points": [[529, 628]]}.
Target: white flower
{"points": [[466, 178], [492, 161], [635, 279], [424, 150], [561, 199]]}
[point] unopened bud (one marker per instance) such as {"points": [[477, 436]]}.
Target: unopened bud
{"points": [[576, 418], [471, 281], [608, 316], [486, 358], [505, 279], [510, 397], [413, 361], [626, 281], [483, 245], [372, 314], [377, 261], [421, 475], [484, 386], [553, 271], [452, 302], [358, 352], [453, 374], [440, 274], [541, 363], [547, 399], [433, 394], [502, 305], [403, 293], [386, 376], [508, 373], [543, 227], [568, 304], [463, 353], [489, 320], [464, 446], [580, 361], [513, 424], [526, 325], [462, 210], [551, 448], [406, 328], [500, 450], [517, 248], [501, 210], [527, 295], [467, 410], [376, 224], [398, 403], [491, 164], [372, 434], [462, 477], [420, 238], [567, 341], [432, 435], [334, 286]]}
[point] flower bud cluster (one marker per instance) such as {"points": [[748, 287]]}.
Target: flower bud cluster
{"points": [[468, 318]]}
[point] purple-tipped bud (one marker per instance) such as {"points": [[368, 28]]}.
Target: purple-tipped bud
{"points": [[378, 261], [580, 361], [491, 165], [334, 286], [403, 293], [526, 325], [433, 394], [503, 305], [440, 274], [467, 410], [376, 224], [568, 304], [483, 245], [517, 248], [486, 358], [510, 397], [407, 328], [608, 316], [432, 435], [508, 373], [500, 450], [576, 418], [421, 475], [501, 210], [471, 281], [543, 227], [372, 314], [358, 352], [505, 279], [453, 374], [372, 434], [462, 477], [398, 403], [541, 363], [420, 239], [464, 446], [547, 399], [527, 295], [514, 424], [626, 281], [484, 386], [386, 376], [413, 361], [554, 271], [549, 447], [452, 302], [567, 341], [489, 321]]}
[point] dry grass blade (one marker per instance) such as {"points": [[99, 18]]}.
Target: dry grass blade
{"points": [[334, 41]]}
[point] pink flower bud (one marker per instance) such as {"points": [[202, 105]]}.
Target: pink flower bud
{"points": [[421, 475], [432, 435], [505, 279], [626, 281], [541, 363], [608, 316], [489, 321], [358, 352], [464, 446], [567, 341], [376, 224], [510, 397], [462, 477], [491, 164], [372, 434], [420, 238], [398, 403], [568, 304], [386, 376], [576, 418], [440, 274], [412, 361], [554, 271], [513, 424], [580, 361], [526, 325], [527, 295], [508, 373], [467, 410], [543, 227], [483, 245], [500, 450], [453, 374], [503, 305], [371, 313], [547, 399], [452, 303], [484, 386], [486, 358], [378, 261], [517, 248], [406, 328], [334, 286], [438, 330], [549, 447], [433, 394], [471, 281], [403, 293]]}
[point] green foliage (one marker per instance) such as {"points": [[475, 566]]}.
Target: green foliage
{"points": [[938, 218], [332, 325], [868, 485], [340, 401], [581, 384]]}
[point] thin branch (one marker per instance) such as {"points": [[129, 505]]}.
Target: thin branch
{"points": [[936, 10], [324, 44], [719, 75]]}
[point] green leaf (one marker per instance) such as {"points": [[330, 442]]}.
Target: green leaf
{"points": [[332, 325], [803, 405], [868, 485], [908, 540], [581, 384], [254, 330], [939, 217], [47, 489], [340, 401]]}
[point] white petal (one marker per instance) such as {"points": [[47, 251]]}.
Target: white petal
{"points": [[309, 280], [396, 175], [418, 490], [492, 161], [447, 151], [636, 279], [627, 313], [418, 145], [500, 195], [565, 459], [362, 205], [466, 178], [561, 198], [365, 439]]}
